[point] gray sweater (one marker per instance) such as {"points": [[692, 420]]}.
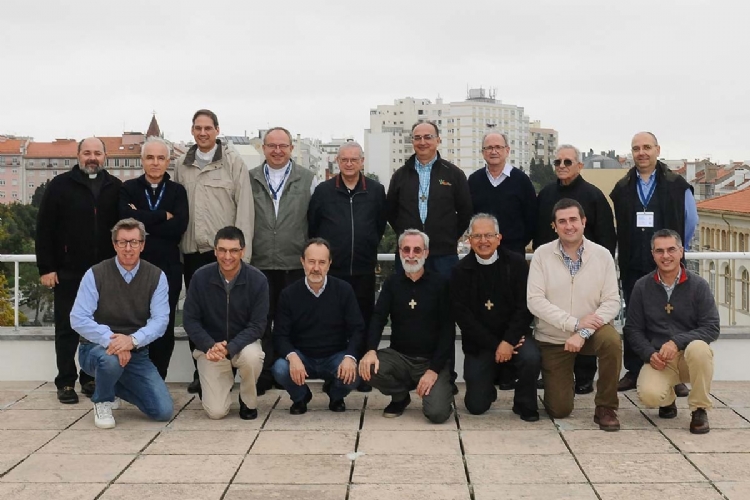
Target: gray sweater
{"points": [[692, 314]]}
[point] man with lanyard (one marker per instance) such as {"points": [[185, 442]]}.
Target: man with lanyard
{"points": [[162, 206], [281, 193], [650, 197]]}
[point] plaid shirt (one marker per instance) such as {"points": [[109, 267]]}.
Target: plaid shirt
{"points": [[424, 172], [573, 266]]}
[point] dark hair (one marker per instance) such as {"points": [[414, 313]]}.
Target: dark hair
{"points": [[208, 113], [429, 122], [316, 241], [230, 233], [567, 203], [666, 233], [104, 148], [273, 129]]}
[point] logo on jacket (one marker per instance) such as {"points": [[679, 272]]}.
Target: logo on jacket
{"points": [[444, 183]]}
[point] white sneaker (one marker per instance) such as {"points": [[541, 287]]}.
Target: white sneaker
{"points": [[116, 403], [103, 418]]}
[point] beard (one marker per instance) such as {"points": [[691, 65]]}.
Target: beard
{"points": [[315, 278], [413, 268], [91, 167]]}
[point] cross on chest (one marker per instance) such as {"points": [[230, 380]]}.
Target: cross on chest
{"points": [[489, 305], [412, 303], [423, 198], [669, 308]]}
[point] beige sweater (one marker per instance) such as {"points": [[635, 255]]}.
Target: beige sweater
{"points": [[558, 300]]}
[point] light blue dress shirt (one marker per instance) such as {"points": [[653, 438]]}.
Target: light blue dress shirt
{"points": [[691, 211], [424, 172]]}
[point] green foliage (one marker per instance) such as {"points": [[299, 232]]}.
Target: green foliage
{"points": [[17, 233], [36, 198], [372, 175], [541, 174], [7, 317]]}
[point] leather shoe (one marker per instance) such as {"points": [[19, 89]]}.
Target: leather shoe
{"points": [[301, 407], [585, 387], [669, 411], [454, 389], [507, 385], [67, 396], [540, 383], [88, 388], [526, 415], [681, 391], [699, 422], [626, 383], [364, 387], [247, 413], [337, 406], [606, 418], [396, 408], [194, 386]]}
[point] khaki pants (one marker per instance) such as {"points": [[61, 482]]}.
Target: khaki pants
{"points": [[557, 371], [217, 379], [695, 365]]}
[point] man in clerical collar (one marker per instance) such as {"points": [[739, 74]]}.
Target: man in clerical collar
{"points": [[672, 319], [488, 294], [422, 335]]}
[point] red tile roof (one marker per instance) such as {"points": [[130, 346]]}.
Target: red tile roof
{"points": [[737, 202], [60, 148], [10, 146], [115, 148]]}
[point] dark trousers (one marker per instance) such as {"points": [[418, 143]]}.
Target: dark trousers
{"points": [[277, 281], [66, 339], [630, 359], [160, 350], [192, 262], [584, 369], [480, 372], [364, 290]]}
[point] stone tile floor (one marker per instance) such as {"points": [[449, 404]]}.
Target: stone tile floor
{"points": [[49, 450]]}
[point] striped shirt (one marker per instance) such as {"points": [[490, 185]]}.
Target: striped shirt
{"points": [[424, 172], [573, 266]]}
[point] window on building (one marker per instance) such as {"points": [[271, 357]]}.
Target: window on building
{"points": [[14, 182], [742, 242], [745, 290], [67, 163], [727, 285], [2, 170], [712, 278], [14, 195], [2, 194], [14, 171], [724, 241], [117, 162], [31, 184], [2, 182]]}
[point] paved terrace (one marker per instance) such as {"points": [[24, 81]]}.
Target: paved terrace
{"points": [[49, 450]]}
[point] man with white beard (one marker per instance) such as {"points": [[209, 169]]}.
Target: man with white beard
{"points": [[422, 334]]}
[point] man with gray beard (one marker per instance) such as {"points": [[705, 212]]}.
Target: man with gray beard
{"points": [[422, 334], [78, 210]]}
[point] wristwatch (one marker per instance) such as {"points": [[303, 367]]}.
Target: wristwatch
{"points": [[135, 342], [585, 333]]}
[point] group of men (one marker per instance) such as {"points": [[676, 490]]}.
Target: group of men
{"points": [[280, 279]]}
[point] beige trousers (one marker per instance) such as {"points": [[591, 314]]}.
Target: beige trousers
{"points": [[695, 365], [217, 379]]}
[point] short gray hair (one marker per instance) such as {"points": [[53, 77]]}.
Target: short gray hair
{"points": [[666, 233], [569, 146], [155, 140], [351, 144], [415, 232], [128, 224], [482, 216], [495, 132]]}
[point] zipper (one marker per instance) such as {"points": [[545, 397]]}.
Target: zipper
{"points": [[227, 316], [351, 212]]}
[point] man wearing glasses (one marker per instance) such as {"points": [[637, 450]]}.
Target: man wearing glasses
{"points": [[225, 317], [219, 195], [281, 192], [422, 335], [600, 228], [122, 307], [672, 319], [506, 192], [650, 197], [488, 295], [432, 195]]}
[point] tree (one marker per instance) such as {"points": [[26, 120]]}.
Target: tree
{"points": [[372, 175], [541, 174], [36, 198], [7, 315]]}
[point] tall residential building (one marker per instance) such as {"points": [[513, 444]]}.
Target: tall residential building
{"points": [[462, 125], [543, 142], [11, 168]]}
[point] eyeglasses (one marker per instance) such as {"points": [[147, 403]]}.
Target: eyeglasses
{"points": [[426, 137], [125, 243], [207, 128], [480, 237], [415, 250], [282, 147], [493, 148], [347, 161], [663, 251], [567, 162], [234, 252]]}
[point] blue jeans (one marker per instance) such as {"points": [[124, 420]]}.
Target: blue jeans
{"points": [[138, 383], [325, 368]]}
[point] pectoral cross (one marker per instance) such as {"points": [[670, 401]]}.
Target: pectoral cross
{"points": [[423, 198], [412, 303], [489, 305], [668, 308]]}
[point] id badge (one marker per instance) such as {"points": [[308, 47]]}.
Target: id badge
{"points": [[645, 219]]}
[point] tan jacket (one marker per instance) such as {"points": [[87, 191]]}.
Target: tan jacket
{"points": [[559, 300], [219, 195]]}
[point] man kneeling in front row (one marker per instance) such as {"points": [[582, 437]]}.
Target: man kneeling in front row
{"points": [[422, 334], [672, 319], [122, 306]]}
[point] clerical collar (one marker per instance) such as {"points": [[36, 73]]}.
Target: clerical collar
{"points": [[487, 262], [206, 156]]}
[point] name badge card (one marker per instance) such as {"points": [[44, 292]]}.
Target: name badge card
{"points": [[645, 219]]}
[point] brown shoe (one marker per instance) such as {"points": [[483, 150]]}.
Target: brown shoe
{"points": [[669, 411], [626, 383], [681, 391], [699, 422], [607, 419]]}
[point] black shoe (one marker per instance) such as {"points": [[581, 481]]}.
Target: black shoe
{"points": [[669, 411], [526, 415], [681, 391], [194, 386], [455, 389], [626, 383], [67, 396], [88, 388], [337, 406], [396, 408], [364, 387], [699, 422], [585, 387], [507, 385], [301, 407], [247, 413], [539, 383], [326, 387]]}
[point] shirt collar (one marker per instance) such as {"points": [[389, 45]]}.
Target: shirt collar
{"points": [[206, 156], [429, 164], [650, 178], [506, 171], [578, 253], [487, 262], [322, 289], [124, 272]]}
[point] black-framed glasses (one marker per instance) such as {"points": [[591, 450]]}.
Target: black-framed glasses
{"points": [[234, 252], [282, 147], [133, 243], [415, 250], [493, 148], [567, 162], [670, 250]]}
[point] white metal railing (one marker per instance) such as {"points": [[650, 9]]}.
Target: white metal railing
{"points": [[382, 257]]}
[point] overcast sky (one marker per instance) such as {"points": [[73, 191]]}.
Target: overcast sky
{"points": [[597, 71]]}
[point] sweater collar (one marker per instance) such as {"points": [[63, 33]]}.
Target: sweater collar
{"points": [[682, 279]]}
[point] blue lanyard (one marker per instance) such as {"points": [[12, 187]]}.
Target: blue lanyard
{"points": [[158, 198], [646, 199], [275, 192]]}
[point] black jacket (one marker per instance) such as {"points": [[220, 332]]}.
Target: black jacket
{"points": [[212, 315], [508, 320], [73, 228], [600, 224], [163, 242], [449, 205], [352, 222]]}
